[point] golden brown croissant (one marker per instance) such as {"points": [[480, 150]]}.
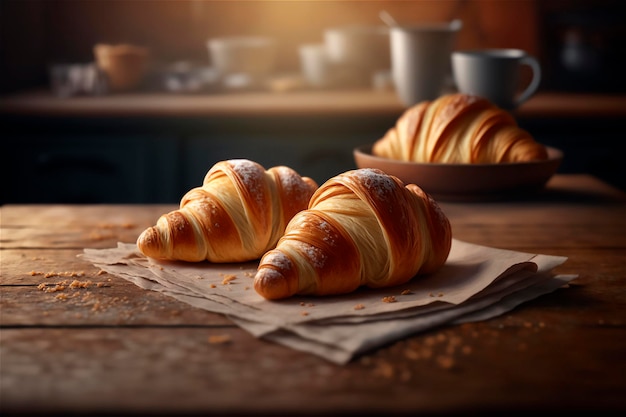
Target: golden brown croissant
{"points": [[362, 228], [458, 128], [238, 214]]}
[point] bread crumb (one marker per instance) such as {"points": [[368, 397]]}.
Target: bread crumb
{"points": [[219, 339], [406, 292], [359, 307], [411, 354], [56, 288], [98, 235], [427, 353], [101, 272], [446, 362], [389, 299], [430, 341], [48, 288], [212, 286], [384, 369], [228, 278], [80, 284], [304, 313], [125, 225], [51, 274]]}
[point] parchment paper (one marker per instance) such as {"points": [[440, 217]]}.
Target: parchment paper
{"points": [[476, 283]]}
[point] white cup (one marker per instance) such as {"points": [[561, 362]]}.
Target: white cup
{"points": [[315, 64], [360, 46], [420, 59], [495, 74], [253, 56]]}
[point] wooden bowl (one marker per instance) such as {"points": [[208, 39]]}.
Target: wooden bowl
{"points": [[125, 65], [467, 182]]}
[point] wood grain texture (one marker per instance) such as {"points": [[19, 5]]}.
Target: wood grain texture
{"points": [[116, 349]]}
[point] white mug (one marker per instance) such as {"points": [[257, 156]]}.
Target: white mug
{"points": [[420, 59], [315, 64], [495, 74]]}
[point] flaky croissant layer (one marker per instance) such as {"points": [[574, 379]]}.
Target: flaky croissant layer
{"points": [[362, 228], [458, 128], [239, 213]]}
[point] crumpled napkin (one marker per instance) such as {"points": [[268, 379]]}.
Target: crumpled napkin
{"points": [[476, 283]]}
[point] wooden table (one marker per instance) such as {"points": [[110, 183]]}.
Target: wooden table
{"points": [[112, 347]]}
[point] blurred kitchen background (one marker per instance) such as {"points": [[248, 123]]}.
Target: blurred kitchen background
{"points": [[69, 147]]}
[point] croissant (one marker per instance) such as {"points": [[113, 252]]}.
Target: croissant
{"points": [[239, 213], [362, 228], [458, 128]]}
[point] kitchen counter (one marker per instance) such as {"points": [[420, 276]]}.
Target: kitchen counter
{"points": [[113, 348], [108, 146], [292, 103]]}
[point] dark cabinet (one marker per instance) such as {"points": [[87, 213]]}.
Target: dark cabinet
{"points": [[87, 168], [319, 157], [114, 151], [77, 167]]}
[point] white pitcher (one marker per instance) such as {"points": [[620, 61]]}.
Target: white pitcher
{"points": [[420, 59]]}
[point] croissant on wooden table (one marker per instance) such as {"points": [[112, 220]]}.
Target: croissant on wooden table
{"points": [[458, 128], [362, 228], [239, 213]]}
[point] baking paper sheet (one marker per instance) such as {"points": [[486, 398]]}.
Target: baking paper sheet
{"points": [[476, 283]]}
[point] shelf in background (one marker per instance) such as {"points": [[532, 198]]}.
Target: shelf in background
{"points": [[292, 103]]}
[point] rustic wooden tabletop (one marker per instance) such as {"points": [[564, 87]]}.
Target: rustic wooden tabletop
{"points": [[104, 345]]}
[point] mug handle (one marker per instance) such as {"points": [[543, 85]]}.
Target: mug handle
{"points": [[534, 83]]}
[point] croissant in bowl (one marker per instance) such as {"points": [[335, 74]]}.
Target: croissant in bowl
{"points": [[458, 128]]}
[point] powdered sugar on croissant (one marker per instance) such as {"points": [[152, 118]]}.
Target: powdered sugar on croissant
{"points": [[362, 228], [458, 128], [239, 213]]}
